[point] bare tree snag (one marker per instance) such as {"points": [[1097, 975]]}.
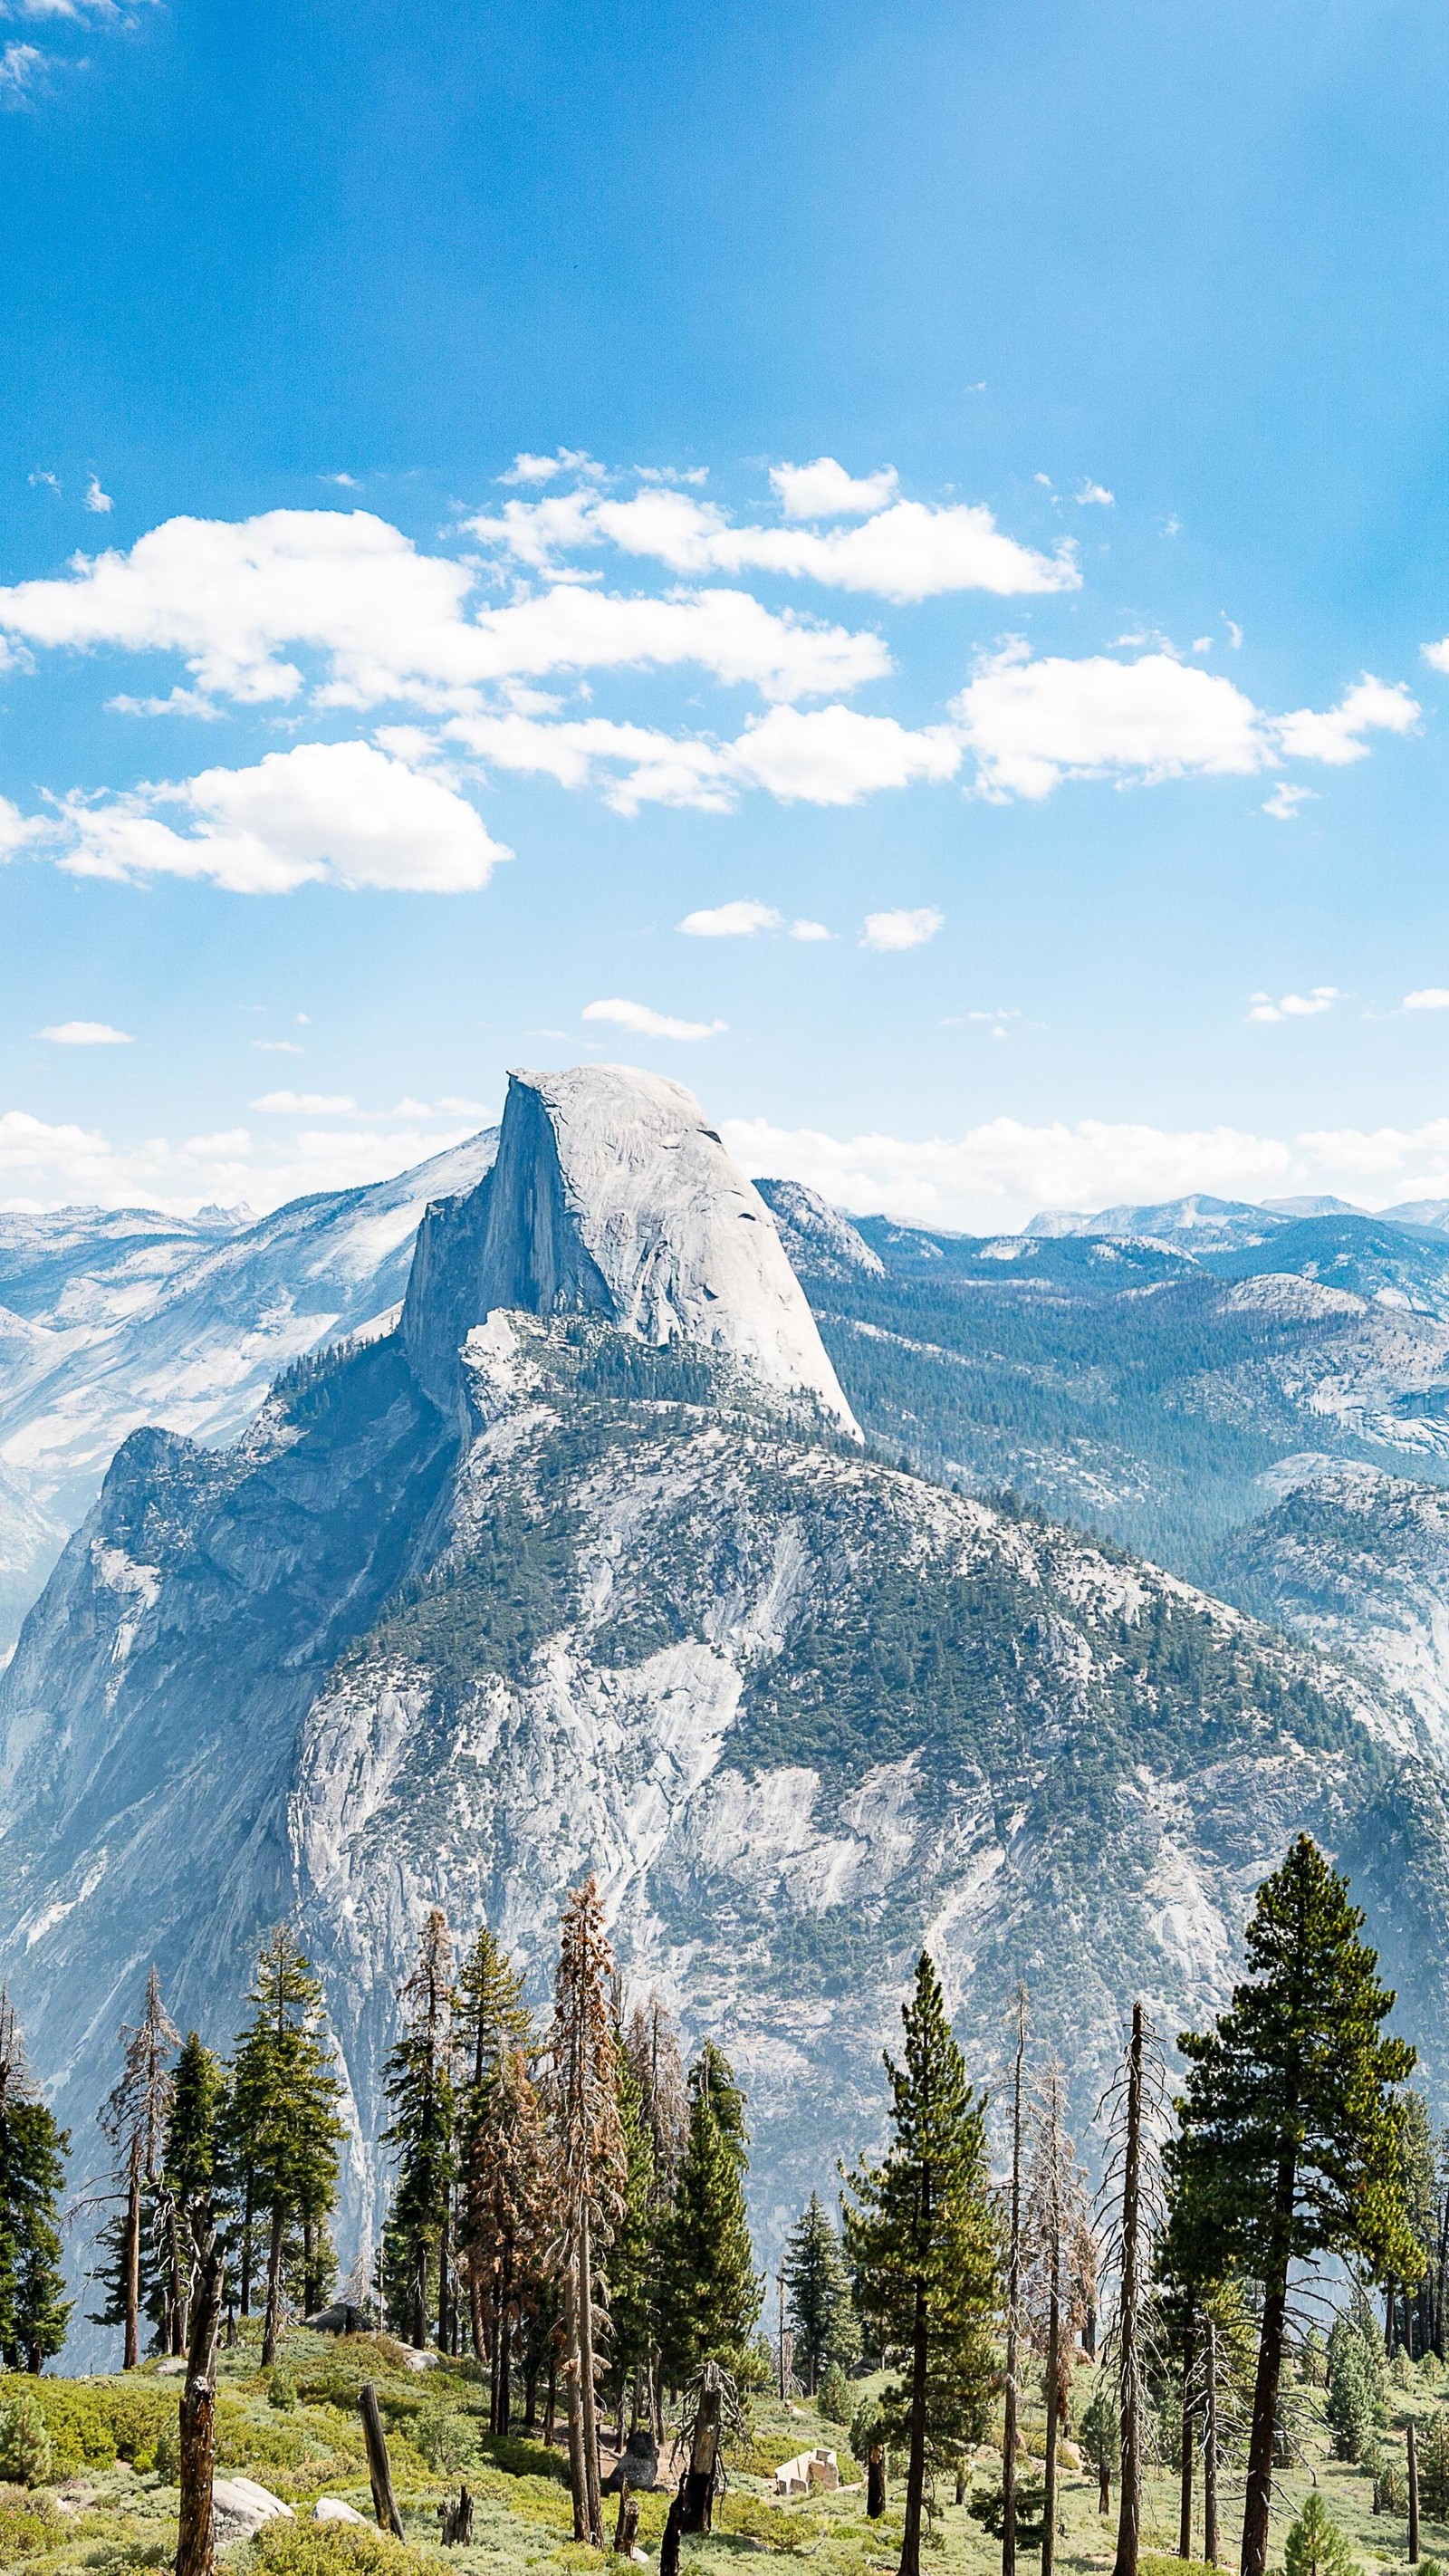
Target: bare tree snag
{"points": [[1210, 2449], [697, 2494], [384, 2502], [875, 2481], [195, 2537], [1413, 2496], [1013, 2307], [626, 2530]]}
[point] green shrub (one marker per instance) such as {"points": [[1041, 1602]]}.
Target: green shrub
{"points": [[834, 2396], [282, 2391], [333, 2549], [25, 2451], [446, 2438], [28, 2524], [166, 2455]]}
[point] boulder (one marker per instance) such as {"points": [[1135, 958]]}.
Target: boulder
{"points": [[340, 2318], [240, 2507], [332, 2509], [638, 2463]]}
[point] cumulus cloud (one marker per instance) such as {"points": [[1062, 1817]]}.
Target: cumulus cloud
{"points": [[18, 831], [1295, 1006], [820, 756], [644, 1023], [810, 930], [96, 499], [909, 550], [1095, 496], [888, 932], [44, 1164], [343, 813], [85, 1033], [1337, 736], [1033, 723], [1430, 997], [998, 1174], [825, 490], [1284, 802], [744, 919], [236, 600]]}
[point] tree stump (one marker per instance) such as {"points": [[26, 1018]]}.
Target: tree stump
{"points": [[383, 2500], [457, 2521], [697, 2493], [626, 2530], [875, 2481], [669, 2545]]}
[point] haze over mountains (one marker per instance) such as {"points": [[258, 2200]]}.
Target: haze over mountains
{"points": [[581, 1561]]}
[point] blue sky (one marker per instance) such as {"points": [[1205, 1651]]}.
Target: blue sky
{"points": [[1083, 699]]}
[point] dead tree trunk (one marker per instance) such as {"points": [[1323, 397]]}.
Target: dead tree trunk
{"points": [[195, 2538], [875, 2481], [1013, 2311], [457, 2521], [1413, 2496], [384, 2502], [669, 2545], [697, 2494], [1053, 2400], [1129, 2360], [1210, 2450], [272, 2321], [1184, 2508], [626, 2529], [131, 2259]]}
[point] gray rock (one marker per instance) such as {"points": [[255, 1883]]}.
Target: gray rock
{"points": [[240, 2507]]}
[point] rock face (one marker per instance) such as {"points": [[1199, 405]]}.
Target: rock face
{"points": [[581, 1569], [611, 1197]]}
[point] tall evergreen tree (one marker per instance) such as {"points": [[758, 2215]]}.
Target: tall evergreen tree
{"points": [[710, 2294], [633, 2321], [133, 2122], [34, 2311], [282, 2122], [1053, 2225], [491, 2023], [188, 2169], [921, 2236], [1291, 2143], [652, 2048], [507, 2212], [821, 2310], [590, 2171], [418, 2084]]}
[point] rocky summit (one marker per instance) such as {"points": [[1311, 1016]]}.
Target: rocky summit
{"points": [[584, 1565]]}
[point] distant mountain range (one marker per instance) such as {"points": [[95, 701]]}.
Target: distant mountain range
{"points": [[579, 1560]]}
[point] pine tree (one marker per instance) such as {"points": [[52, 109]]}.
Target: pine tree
{"points": [[710, 2294], [652, 2048], [1291, 2141], [34, 2311], [188, 2170], [282, 2123], [1315, 2546], [491, 2022], [133, 2122], [418, 2084], [590, 2172], [632, 2319], [920, 2233], [821, 2308], [507, 2212]]}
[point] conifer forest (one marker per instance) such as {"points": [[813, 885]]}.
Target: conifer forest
{"points": [[1209, 2333]]}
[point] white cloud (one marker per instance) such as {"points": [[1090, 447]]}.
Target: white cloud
{"points": [[96, 499], [888, 932], [810, 930], [1033, 723], [910, 550], [531, 469], [1095, 496], [1430, 997], [1284, 802], [341, 812], [645, 1023], [277, 1046], [306, 1104], [18, 831], [85, 1033], [22, 69], [744, 919], [1336, 736], [1295, 1006], [237, 599], [824, 490], [833, 756], [45, 1165]]}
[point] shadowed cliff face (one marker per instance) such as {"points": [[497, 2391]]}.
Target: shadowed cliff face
{"points": [[522, 1591]]}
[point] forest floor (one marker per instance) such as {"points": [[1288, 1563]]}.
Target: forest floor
{"points": [[109, 2502]]}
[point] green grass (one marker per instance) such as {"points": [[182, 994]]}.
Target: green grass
{"points": [[109, 2511]]}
